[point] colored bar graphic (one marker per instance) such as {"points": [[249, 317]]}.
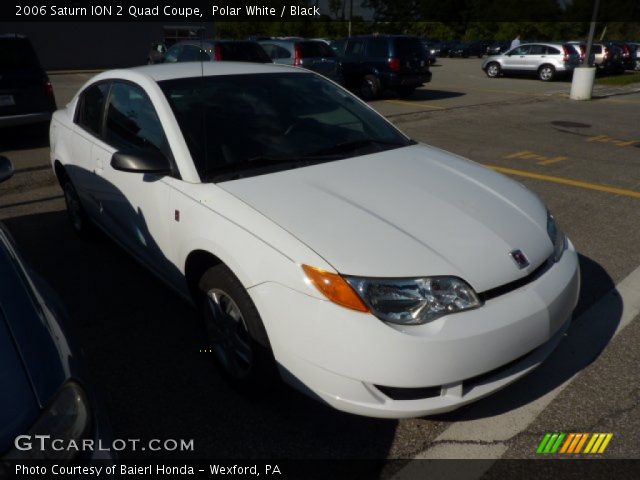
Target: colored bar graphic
{"points": [[573, 443], [594, 437], [582, 442], [604, 445], [543, 443], [558, 443], [567, 442]]}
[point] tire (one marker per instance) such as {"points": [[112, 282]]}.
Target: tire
{"points": [[370, 88], [405, 91], [493, 70], [76, 213], [546, 73], [236, 333]]}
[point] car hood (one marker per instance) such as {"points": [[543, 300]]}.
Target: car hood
{"points": [[413, 211], [18, 404]]}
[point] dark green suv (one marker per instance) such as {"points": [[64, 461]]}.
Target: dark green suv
{"points": [[374, 63]]}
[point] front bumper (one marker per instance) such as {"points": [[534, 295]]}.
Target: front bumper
{"points": [[341, 356]]}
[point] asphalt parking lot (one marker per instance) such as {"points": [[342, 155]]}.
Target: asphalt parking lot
{"points": [[142, 342]]}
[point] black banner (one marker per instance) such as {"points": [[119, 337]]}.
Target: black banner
{"points": [[321, 10], [592, 469]]}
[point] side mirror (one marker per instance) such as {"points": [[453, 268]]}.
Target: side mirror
{"points": [[6, 169], [141, 162]]}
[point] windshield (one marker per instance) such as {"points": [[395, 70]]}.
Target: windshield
{"points": [[17, 54], [243, 125]]}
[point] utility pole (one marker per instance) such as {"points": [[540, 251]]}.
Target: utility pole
{"points": [[584, 75]]}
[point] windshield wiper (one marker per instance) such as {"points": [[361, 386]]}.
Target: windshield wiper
{"points": [[350, 146], [238, 170]]}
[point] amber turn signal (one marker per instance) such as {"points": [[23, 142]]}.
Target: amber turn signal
{"points": [[335, 288]]}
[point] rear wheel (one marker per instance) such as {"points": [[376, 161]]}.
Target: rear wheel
{"points": [[493, 70], [236, 333], [75, 211], [370, 88], [546, 73]]}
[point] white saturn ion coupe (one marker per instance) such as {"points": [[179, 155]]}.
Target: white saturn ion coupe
{"points": [[322, 245]]}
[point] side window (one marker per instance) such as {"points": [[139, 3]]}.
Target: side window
{"points": [[378, 47], [552, 51], [90, 104], [537, 50], [270, 49], [193, 53], [521, 50], [132, 123], [282, 52], [355, 48], [172, 54]]}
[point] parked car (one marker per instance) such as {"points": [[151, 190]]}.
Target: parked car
{"points": [[607, 59], [44, 385], [637, 64], [26, 94], [629, 53], [429, 52], [468, 49], [545, 60], [496, 48], [286, 209], [374, 63], [216, 51], [311, 54], [156, 53]]}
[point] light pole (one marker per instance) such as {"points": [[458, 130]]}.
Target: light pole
{"points": [[584, 76]]}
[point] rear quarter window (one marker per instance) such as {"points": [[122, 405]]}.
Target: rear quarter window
{"points": [[315, 50], [244, 52], [90, 105], [408, 47]]}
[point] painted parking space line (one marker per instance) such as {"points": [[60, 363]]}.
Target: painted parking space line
{"points": [[613, 141], [540, 159], [415, 104], [486, 438], [567, 181]]}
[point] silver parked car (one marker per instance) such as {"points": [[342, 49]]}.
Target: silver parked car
{"points": [[545, 60], [314, 55]]}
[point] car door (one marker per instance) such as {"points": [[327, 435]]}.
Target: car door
{"points": [[534, 57], [135, 207], [84, 168], [515, 59]]}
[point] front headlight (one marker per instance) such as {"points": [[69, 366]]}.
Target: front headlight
{"points": [[67, 419], [557, 236], [414, 301]]}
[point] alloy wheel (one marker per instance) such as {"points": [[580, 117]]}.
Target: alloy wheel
{"points": [[229, 334]]}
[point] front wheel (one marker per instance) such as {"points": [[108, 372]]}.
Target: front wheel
{"points": [[370, 88], [546, 73], [493, 70], [235, 332]]}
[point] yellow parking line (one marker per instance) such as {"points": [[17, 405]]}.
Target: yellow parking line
{"points": [[567, 181], [415, 104]]}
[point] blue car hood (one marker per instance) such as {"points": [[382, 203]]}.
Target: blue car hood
{"points": [[34, 354], [18, 404]]}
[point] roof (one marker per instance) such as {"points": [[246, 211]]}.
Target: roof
{"points": [[169, 71]]}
